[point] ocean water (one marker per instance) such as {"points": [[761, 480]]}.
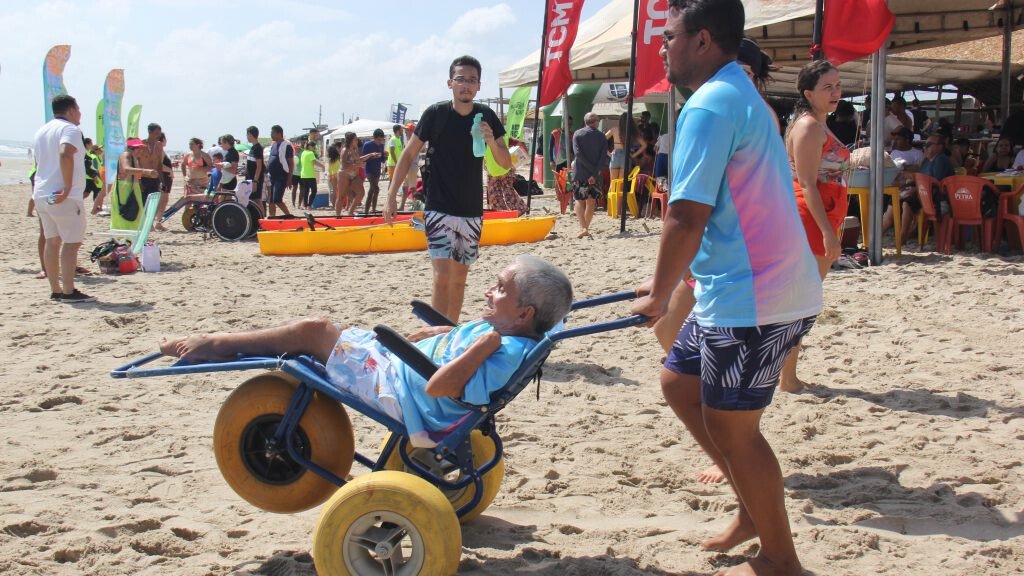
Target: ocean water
{"points": [[14, 149], [15, 162]]}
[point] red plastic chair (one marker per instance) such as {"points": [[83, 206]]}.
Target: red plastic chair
{"points": [[964, 196], [1006, 215], [659, 196], [929, 214]]}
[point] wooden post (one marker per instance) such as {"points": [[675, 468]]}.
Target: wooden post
{"points": [[1004, 101]]}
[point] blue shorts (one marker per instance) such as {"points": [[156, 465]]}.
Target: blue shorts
{"points": [[738, 367], [618, 159], [453, 237], [277, 187], [661, 166]]}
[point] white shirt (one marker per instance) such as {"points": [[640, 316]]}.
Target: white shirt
{"points": [[912, 156], [1019, 161], [46, 146], [664, 143], [891, 123]]}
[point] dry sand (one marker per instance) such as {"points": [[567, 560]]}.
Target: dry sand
{"points": [[905, 456]]}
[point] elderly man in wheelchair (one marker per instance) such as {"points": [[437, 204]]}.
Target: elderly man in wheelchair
{"points": [[528, 299], [283, 440]]}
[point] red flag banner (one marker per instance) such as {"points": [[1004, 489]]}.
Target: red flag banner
{"points": [[563, 22], [650, 69], [853, 29]]}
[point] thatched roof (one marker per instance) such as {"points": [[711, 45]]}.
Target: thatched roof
{"points": [[983, 50]]}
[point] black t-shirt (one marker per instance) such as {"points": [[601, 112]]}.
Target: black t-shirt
{"points": [[255, 155], [231, 156], [456, 176]]}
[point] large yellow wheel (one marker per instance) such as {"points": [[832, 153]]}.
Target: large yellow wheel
{"points": [[389, 523], [186, 217], [259, 469], [483, 451]]}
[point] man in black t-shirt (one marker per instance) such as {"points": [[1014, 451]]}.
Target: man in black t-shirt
{"points": [[254, 166], [454, 190]]}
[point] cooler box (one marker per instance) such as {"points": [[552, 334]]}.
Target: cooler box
{"points": [[321, 201]]}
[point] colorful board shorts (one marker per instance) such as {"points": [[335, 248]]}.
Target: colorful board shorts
{"points": [[738, 367], [453, 237], [358, 365]]}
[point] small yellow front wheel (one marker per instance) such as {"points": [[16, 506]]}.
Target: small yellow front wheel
{"points": [[387, 523], [483, 450]]}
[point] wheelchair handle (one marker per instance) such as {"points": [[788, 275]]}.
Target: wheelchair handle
{"points": [[598, 327], [601, 300]]}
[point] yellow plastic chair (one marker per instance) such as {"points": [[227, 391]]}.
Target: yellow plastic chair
{"points": [[615, 194], [865, 216]]}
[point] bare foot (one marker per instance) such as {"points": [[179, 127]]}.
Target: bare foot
{"points": [[40, 275], [197, 348], [712, 475], [761, 566], [159, 227], [582, 234], [792, 386], [740, 530]]}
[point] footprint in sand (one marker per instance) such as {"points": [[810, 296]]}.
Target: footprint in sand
{"points": [[58, 400]]}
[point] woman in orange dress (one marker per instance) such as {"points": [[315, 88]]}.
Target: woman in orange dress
{"points": [[820, 165]]}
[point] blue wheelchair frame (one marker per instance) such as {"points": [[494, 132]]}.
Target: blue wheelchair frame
{"points": [[454, 448]]}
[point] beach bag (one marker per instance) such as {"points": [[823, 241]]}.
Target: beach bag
{"points": [[103, 250], [114, 257], [526, 187], [127, 209], [243, 192], [150, 257], [126, 261]]}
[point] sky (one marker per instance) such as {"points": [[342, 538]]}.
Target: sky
{"points": [[202, 69]]}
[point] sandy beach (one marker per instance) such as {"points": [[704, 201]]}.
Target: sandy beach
{"points": [[906, 456]]}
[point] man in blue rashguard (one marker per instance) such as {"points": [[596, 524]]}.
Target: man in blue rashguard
{"points": [[732, 220]]}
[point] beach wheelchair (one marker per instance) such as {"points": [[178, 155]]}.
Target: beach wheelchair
{"points": [[283, 441], [228, 214]]}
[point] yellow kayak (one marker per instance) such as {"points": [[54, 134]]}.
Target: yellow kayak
{"points": [[399, 237]]}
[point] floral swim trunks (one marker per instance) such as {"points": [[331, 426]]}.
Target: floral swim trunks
{"points": [[359, 366]]}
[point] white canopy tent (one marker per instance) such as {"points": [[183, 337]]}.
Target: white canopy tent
{"points": [[362, 127]]}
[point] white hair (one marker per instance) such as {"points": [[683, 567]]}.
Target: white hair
{"points": [[545, 287]]}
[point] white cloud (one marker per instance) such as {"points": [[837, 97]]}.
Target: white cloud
{"points": [[204, 72], [482, 21]]}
